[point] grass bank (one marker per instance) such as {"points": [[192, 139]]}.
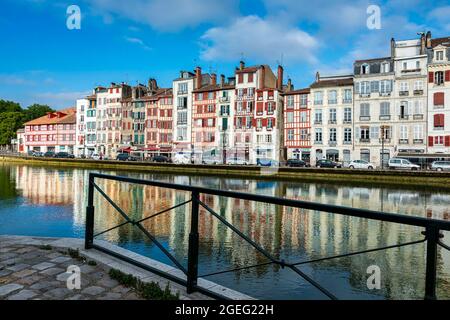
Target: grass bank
{"points": [[404, 179]]}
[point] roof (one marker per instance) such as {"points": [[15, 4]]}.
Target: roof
{"points": [[374, 60], [67, 116], [92, 97], [160, 93], [332, 83], [211, 87], [298, 91], [440, 41]]}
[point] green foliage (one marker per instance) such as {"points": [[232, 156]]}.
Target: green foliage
{"points": [[12, 118], [147, 290]]}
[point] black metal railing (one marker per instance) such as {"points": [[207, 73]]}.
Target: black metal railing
{"points": [[432, 233]]}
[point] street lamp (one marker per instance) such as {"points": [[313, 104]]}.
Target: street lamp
{"points": [[383, 132]]}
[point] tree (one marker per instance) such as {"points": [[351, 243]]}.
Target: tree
{"points": [[10, 122], [36, 110], [9, 106]]}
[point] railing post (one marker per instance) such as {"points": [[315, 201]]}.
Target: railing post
{"points": [[432, 235], [192, 271], [89, 233]]}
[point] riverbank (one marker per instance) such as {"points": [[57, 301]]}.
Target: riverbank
{"points": [[409, 179]]}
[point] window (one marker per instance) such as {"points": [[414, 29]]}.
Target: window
{"points": [[438, 121], [318, 97], [332, 116], [182, 102], [439, 140], [364, 87], [290, 134], [385, 86], [182, 117], [404, 86], [270, 123], [365, 110], [405, 66], [364, 134], [374, 132], [385, 67], [417, 64], [347, 115], [365, 155], [403, 132], [418, 107], [290, 117], [332, 97], [318, 117], [375, 86], [418, 132], [290, 101], [404, 108], [182, 88], [418, 85], [439, 77], [439, 55], [304, 100], [303, 117], [333, 135], [385, 109], [304, 134], [318, 136], [347, 96], [347, 135], [365, 69], [270, 108]]}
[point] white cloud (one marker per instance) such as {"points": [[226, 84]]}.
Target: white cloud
{"points": [[138, 41], [441, 15], [258, 39], [60, 100], [168, 15]]}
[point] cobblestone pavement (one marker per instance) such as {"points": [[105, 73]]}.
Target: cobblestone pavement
{"points": [[39, 273]]}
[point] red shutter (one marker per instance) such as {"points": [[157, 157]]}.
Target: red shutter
{"points": [[430, 141], [447, 75], [438, 98], [244, 121], [265, 106], [273, 122], [264, 122], [254, 122], [447, 141], [439, 120], [244, 105], [430, 77], [250, 77]]}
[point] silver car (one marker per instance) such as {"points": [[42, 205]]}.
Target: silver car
{"points": [[440, 166]]}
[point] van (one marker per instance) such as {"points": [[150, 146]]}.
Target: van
{"points": [[397, 163]]}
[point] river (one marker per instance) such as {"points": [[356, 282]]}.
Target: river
{"points": [[45, 201]]}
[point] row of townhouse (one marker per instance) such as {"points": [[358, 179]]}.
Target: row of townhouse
{"points": [[392, 106]]}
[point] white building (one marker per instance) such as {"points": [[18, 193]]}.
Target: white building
{"points": [[80, 147]]}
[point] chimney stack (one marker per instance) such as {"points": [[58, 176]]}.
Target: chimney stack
{"points": [[262, 77], [392, 48], [214, 79], [198, 77], [428, 39], [317, 76], [280, 78], [241, 65], [422, 43], [289, 85], [222, 80]]}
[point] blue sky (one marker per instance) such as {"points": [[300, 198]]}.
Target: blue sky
{"points": [[41, 61]]}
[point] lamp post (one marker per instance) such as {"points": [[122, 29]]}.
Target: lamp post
{"points": [[382, 146]]}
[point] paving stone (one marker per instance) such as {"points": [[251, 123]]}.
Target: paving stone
{"points": [[131, 296], [77, 297], [87, 268], [5, 272], [43, 266], [18, 267], [121, 290], [30, 280], [111, 296], [41, 285], [23, 273], [63, 276], [93, 291], [23, 295], [58, 293], [107, 282], [9, 288], [25, 250], [7, 249], [8, 255], [52, 271], [60, 259], [10, 262]]}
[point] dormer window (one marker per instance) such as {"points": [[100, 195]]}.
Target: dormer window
{"points": [[439, 55], [365, 69], [385, 67]]}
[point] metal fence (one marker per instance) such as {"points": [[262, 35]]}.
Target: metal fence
{"points": [[431, 235]]}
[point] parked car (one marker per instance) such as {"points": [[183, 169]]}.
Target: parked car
{"points": [[440, 166], [161, 159], [125, 157], [237, 161], [398, 163], [181, 158], [325, 163], [49, 154], [95, 156], [64, 155], [30, 153], [361, 164], [211, 161], [297, 163], [38, 154], [266, 162]]}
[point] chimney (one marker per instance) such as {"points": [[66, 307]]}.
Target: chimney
{"points": [[241, 65], [289, 85], [280, 78], [392, 48], [262, 77], [214, 79], [317, 76], [198, 77], [428, 39], [422, 43], [222, 80]]}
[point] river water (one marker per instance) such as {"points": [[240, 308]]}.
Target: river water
{"points": [[44, 201]]}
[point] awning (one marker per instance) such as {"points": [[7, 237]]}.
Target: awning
{"points": [[151, 149], [126, 149]]}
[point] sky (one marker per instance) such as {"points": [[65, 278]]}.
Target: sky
{"points": [[43, 61]]}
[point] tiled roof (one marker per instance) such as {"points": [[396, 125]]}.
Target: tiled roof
{"points": [[438, 41], [298, 91], [68, 116], [373, 60], [332, 83], [210, 87]]}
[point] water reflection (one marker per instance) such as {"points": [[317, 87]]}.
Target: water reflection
{"points": [[53, 202]]}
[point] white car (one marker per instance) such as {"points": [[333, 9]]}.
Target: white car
{"points": [[361, 164], [236, 161], [440, 166], [397, 163], [211, 161], [95, 156], [181, 158]]}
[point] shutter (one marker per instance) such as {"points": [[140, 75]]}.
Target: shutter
{"points": [[273, 122], [265, 106], [447, 141], [447, 75], [430, 141], [357, 133], [254, 122], [438, 98], [430, 77], [244, 121]]}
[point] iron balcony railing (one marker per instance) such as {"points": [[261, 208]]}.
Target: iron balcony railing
{"points": [[431, 234]]}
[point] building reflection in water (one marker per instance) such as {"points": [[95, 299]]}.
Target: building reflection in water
{"points": [[288, 233]]}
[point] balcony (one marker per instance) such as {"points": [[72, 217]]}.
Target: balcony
{"points": [[364, 95], [364, 118], [418, 117], [418, 141], [332, 121], [318, 102], [346, 142], [347, 121], [332, 143], [317, 121], [224, 114], [332, 101], [385, 140], [385, 117], [181, 107], [364, 140], [318, 142], [403, 141], [438, 128], [181, 92], [224, 99], [180, 122], [403, 93], [438, 106], [403, 117], [417, 70], [418, 92], [385, 94], [347, 100]]}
